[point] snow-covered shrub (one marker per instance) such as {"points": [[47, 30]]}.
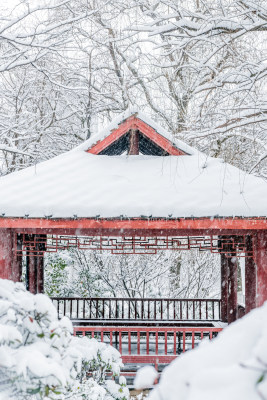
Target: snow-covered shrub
{"points": [[35, 352], [39, 357], [232, 366], [97, 359]]}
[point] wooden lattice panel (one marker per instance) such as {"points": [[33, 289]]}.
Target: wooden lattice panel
{"points": [[39, 244]]}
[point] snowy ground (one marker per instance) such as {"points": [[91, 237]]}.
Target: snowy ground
{"points": [[232, 366]]}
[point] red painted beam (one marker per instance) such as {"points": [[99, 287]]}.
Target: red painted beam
{"points": [[115, 135], [161, 141], [133, 224]]}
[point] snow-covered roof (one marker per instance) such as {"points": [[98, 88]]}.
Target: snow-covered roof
{"points": [[81, 184]]}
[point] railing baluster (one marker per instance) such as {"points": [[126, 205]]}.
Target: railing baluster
{"points": [[148, 309], [168, 310], [213, 310], [83, 309], [109, 311], [138, 342], [193, 340], [110, 338], [129, 309], [77, 308], [174, 342], [129, 342], [155, 310], [147, 342], [166, 342], [187, 310], [96, 309], [183, 341], [71, 309], [181, 310], [194, 316], [64, 308], [120, 342], [122, 309], [206, 301], [142, 310], [103, 308], [157, 343], [90, 307], [200, 304]]}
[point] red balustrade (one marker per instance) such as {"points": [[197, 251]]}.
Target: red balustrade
{"points": [[149, 345]]}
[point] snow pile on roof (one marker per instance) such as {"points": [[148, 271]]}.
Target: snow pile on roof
{"points": [[232, 366], [79, 184]]}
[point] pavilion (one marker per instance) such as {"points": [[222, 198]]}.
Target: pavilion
{"points": [[134, 188]]}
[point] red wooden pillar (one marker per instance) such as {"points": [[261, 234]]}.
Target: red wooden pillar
{"points": [[6, 244], [224, 287], [31, 273], [10, 263], [232, 289], [133, 143], [40, 274], [16, 258], [250, 277], [35, 264], [261, 261]]}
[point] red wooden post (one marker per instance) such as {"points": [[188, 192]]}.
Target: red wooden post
{"points": [[5, 253], [10, 263], [31, 263], [261, 261], [232, 289], [133, 143], [40, 274], [224, 287], [250, 277], [16, 258]]}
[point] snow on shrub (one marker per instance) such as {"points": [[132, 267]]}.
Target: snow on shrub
{"points": [[39, 357], [231, 366]]}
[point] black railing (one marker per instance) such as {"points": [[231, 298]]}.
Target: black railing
{"points": [[146, 309]]}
